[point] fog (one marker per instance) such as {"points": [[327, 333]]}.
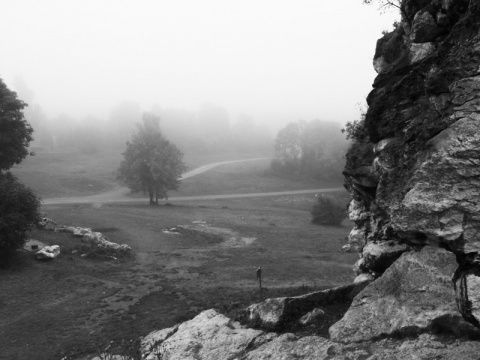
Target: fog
{"points": [[205, 64]]}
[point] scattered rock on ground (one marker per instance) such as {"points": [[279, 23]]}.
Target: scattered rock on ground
{"points": [[47, 224], [48, 253]]}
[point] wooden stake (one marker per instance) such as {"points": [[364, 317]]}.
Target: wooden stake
{"points": [[259, 277]]}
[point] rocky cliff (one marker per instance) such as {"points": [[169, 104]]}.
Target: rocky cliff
{"points": [[415, 179]]}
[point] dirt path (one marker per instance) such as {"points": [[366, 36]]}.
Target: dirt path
{"points": [[120, 194]]}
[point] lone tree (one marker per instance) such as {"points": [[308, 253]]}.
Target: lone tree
{"points": [[19, 206], [152, 164]]}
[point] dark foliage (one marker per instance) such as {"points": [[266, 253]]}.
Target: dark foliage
{"points": [[328, 211], [15, 132], [356, 130], [315, 149], [152, 164], [19, 211], [19, 206]]}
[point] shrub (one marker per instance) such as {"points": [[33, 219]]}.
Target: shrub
{"points": [[355, 130], [328, 211], [19, 212]]}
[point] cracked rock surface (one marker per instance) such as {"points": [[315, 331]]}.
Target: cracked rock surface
{"points": [[414, 295], [415, 179]]}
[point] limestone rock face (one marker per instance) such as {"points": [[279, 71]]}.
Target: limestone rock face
{"points": [[416, 179], [379, 256], [209, 335], [212, 336], [424, 28], [414, 295], [288, 346]]}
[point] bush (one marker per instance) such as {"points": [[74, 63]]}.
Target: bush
{"points": [[19, 212], [328, 211], [355, 130]]}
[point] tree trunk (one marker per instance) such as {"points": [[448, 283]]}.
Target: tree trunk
{"points": [[151, 197], [156, 198]]}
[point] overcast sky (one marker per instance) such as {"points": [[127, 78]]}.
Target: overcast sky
{"points": [[275, 60]]}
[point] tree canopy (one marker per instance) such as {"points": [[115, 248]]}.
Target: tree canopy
{"points": [[314, 148], [19, 206], [15, 132], [151, 164]]}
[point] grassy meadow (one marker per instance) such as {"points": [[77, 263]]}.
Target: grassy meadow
{"points": [[72, 306]]}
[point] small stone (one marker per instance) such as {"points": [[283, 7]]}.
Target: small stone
{"points": [[364, 277], [311, 317]]}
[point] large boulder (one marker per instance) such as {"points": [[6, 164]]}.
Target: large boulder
{"points": [[210, 335], [276, 313], [414, 295]]}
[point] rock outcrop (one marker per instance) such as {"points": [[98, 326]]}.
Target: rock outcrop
{"points": [[414, 295], [415, 178], [211, 336], [277, 313]]}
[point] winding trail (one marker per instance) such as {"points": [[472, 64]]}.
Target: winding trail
{"points": [[120, 194]]}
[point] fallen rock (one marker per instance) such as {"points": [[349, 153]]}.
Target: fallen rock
{"points": [[311, 317], [80, 232], [275, 313], [48, 253], [97, 239], [209, 335], [414, 295], [173, 231], [47, 224], [65, 229], [364, 277]]}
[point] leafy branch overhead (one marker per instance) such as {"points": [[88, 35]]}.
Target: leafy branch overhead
{"points": [[386, 3], [151, 164]]}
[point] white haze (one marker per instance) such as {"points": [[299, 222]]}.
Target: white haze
{"points": [[274, 60]]}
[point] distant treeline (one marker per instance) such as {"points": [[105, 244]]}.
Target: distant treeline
{"points": [[207, 130], [316, 149]]}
